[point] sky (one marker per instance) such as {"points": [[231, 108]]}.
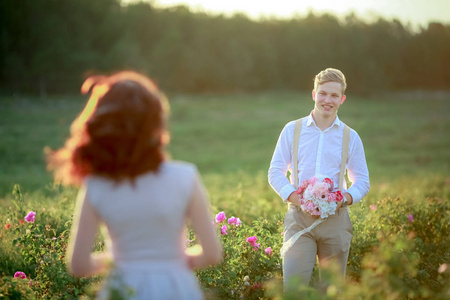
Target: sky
{"points": [[413, 12]]}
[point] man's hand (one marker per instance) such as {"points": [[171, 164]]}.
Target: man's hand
{"points": [[294, 198], [349, 198], [349, 201]]}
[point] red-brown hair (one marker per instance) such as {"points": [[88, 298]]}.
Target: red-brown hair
{"points": [[120, 134]]}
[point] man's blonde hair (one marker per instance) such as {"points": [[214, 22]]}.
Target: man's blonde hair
{"points": [[330, 74]]}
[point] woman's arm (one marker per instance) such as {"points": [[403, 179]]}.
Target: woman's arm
{"points": [[80, 259], [198, 212]]}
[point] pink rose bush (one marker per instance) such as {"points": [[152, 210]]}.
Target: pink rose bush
{"points": [[317, 197]]}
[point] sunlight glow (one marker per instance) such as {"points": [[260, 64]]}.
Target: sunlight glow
{"points": [[414, 12]]}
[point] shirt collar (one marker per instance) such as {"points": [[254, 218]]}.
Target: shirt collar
{"points": [[310, 121]]}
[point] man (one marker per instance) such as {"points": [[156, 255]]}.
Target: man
{"points": [[320, 149]]}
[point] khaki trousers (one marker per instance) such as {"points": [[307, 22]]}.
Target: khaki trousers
{"points": [[329, 240]]}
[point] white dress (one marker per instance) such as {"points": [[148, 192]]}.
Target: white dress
{"points": [[146, 224]]}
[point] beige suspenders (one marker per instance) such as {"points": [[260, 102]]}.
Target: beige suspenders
{"points": [[297, 131], [345, 145]]}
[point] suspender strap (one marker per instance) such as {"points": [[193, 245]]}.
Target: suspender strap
{"points": [[345, 144], [297, 131]]}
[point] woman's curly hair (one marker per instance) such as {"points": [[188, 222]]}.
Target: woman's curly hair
{"points": [[120, 134]]}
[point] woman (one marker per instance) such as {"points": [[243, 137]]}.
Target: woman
{"points": [[115, 153]]}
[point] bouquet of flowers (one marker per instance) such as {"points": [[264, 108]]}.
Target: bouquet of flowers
{"points": [[317, 197]]}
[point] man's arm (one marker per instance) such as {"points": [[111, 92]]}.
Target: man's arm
{"points": [[358, 172], [281, 163]]}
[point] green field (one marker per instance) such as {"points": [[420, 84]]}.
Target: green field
{"points": [[231, 139], [235, 135]]}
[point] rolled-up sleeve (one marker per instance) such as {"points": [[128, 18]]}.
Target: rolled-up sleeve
{"points": [[357, 170], [281, 163]]}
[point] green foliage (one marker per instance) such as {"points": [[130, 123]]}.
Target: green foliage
{"points": [[245, 268], [406, 143], [40, 248]]}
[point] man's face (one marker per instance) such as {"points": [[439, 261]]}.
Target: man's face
{"points": [[328, 98]]}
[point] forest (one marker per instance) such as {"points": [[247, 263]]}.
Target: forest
{"points": [[50, 46]]}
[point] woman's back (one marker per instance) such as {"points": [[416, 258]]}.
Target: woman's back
{"points": [[145, 221]]}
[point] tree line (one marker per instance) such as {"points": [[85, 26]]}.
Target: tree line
{"points": [[50, 46]]}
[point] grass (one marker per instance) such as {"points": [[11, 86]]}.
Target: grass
{"points": [[234, 135]]}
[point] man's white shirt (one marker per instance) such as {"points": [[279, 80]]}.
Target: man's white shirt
{"points": [[319, 153]]}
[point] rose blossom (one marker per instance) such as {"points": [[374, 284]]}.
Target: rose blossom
{"points": [[268, 251], [7, 226], [330, 184], [232, 220], [220, 217], [252, 240], [20, 275], [339, 196], [235, 221], [223, 230], [30, 216]]}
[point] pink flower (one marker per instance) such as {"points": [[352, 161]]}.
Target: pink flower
{"points": [[220, 217], [268, 251], [339, 196], [443, 268], [313, 180], [7, 226], [373, 207], [30, 216], [235, 221], [20, 275], [223, 230], [331, 197], [410, 217], [252, 240], [309, 205], [330, 183]]}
